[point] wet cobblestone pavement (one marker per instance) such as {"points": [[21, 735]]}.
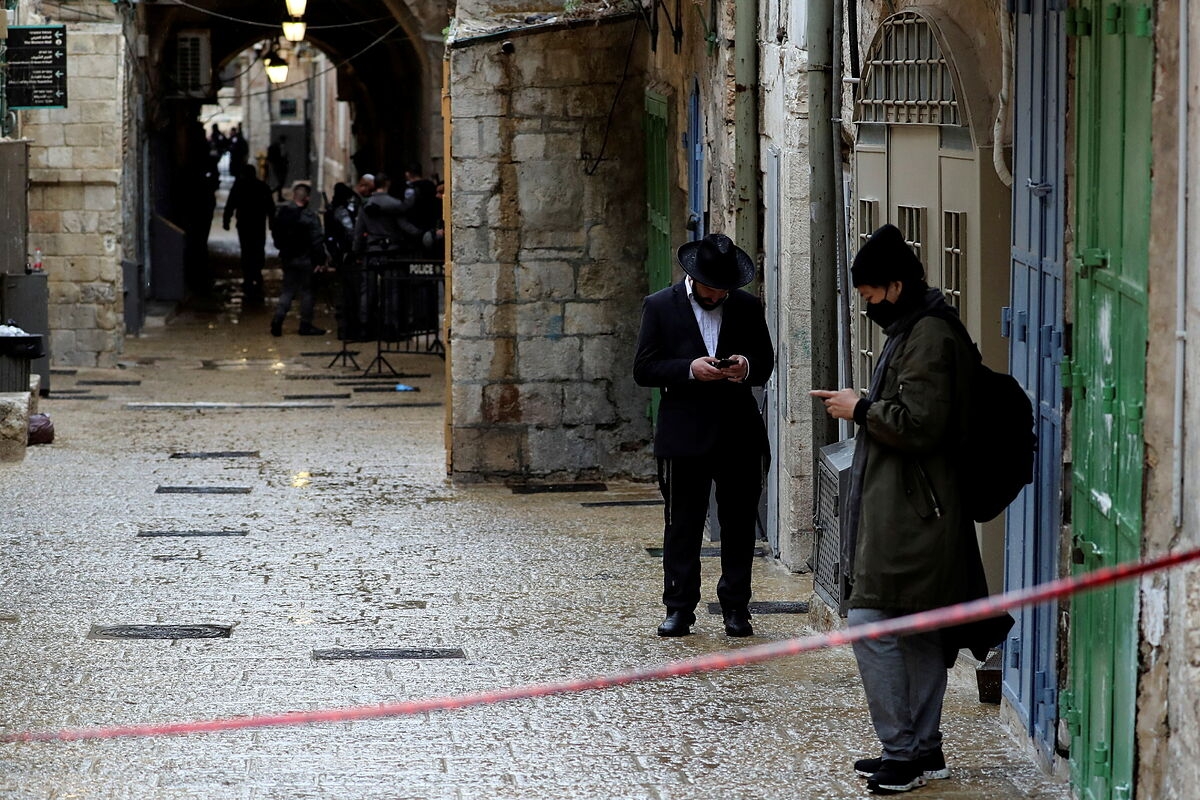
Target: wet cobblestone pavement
{"points": [[351, 536]]}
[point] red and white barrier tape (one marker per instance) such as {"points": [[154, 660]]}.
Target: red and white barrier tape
{"points": [[912, 623]]}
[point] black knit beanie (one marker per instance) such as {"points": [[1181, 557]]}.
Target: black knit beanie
{"points": [[884, 258]]}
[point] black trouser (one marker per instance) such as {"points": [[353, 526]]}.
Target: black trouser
{"points": [[297, 279], [252, 242], [686, 483]]}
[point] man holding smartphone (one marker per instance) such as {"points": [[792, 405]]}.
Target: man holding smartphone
{"points": [[704, 343]]}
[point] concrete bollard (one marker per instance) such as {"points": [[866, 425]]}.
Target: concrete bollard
{"points": [[14, 425]]}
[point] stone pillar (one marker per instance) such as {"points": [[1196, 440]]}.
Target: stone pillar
{"points": [[75, 170], [548, 249]]}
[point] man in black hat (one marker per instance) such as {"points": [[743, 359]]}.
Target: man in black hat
{"points": [[704, 343]]}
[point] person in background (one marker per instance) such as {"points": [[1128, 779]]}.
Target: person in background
{"points": [[365, 187], [301, 246], [277, 159], [251, 202], [704, 342]]}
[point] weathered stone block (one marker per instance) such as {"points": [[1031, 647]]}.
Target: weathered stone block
{"points": [[492, 450], [571, 451], [501, 403], [616, 242], [14, 425], [100, 198], [466, 319], [542, 404], [528, 147], [589, 318], [64, 197], [471, 249], [604, 280], [95, 111], [484, 359], [543, 318], [548, 359], [476, 175], [568, 241], [536, 102], [94, 64], [549, 199], [468, 403], [545, 280], [468, 102], [589, 403]]}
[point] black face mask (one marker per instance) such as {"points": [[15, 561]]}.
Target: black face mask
{"points": [[883, 313]]}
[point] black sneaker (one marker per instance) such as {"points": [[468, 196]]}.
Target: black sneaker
{"points": [[308, 329], [933, 764], [895, 777], [277, 327]]}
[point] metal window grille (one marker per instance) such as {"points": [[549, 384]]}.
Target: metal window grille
{"points": [[912, 225], [907, 80], [953, 235], [868, 222]]}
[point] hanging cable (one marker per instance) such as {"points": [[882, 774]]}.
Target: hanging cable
{"points": [[256, 23]]}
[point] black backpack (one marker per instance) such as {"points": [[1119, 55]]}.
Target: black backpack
{"points": [[1001, 445]]}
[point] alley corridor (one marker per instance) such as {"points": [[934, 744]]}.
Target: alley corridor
{"points": [[306, 510]]}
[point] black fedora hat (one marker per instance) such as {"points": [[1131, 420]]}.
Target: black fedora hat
{"points": [[717, 262]]}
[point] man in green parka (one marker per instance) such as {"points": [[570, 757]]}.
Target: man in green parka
{"points": [[908, 540]]}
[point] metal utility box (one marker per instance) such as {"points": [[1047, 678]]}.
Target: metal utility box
{"points": [[25, 299], [833, 477]]}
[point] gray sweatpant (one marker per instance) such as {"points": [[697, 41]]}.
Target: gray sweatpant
{"points": [[905, 682]]}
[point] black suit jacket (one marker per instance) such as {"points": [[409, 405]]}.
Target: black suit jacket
{"points": [[692, 412]]}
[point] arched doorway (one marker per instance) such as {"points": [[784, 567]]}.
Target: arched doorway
{"points": [[375, 59], [924, 162]]}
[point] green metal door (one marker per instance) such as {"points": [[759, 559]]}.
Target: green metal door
{"points": [[658, 194], [1107, 379], [658, 205]]}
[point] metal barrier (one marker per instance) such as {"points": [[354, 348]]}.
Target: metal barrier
{"points": [[396, 302]]}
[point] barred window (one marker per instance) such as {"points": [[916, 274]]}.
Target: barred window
{"points": [[906, 79], [912, 225], [865, 335], [953, 240]]}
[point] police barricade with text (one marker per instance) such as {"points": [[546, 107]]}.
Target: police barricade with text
{"points": [[394, 301]]}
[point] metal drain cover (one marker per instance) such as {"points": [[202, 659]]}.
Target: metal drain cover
{"points": [[160, 632], [410, 653], [769, 607], [618, 503], [218, 454], [540, 488], [192, 533], [202, 490], [705, 552]]}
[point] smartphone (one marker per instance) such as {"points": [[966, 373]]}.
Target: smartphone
{"points": [[725, 363]]}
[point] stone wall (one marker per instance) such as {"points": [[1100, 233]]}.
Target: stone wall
{"points": [[783, 91], [1168, 719], [75, 195], [547, 250]]}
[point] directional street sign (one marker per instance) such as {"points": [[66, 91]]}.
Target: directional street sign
{"points": [[37, 66]]}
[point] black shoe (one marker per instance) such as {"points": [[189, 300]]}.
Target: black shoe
{"points": [[277, 327], [895, 777], [308, 329], [737, 623], [933, 764], [677, 623]]}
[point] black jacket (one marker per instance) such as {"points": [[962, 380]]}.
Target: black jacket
{"points": [[691, 412]]}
